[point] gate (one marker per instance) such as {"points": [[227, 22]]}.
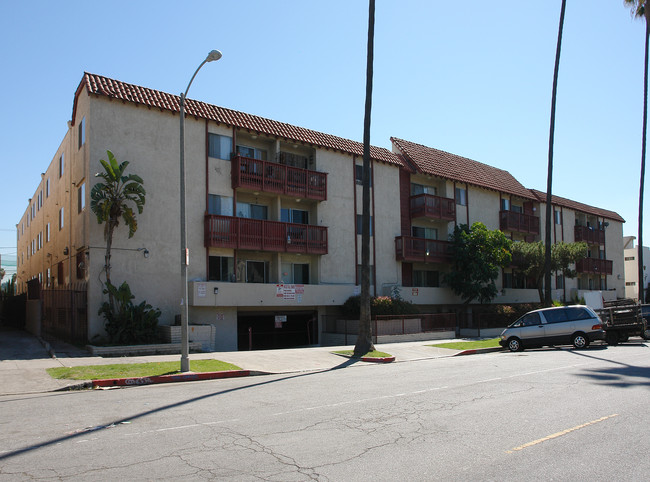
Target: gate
{"points": [[65, 312]]}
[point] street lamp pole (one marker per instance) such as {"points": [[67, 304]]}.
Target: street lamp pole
{"points": [[185, 252]]}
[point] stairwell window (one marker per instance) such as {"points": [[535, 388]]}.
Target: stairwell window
{"points": [[358, 175], [360, 225], [81, 197], [461, 196], [82, 132], [219, 147]]}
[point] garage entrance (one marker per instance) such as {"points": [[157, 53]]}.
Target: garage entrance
{"points": [[260, 331]]}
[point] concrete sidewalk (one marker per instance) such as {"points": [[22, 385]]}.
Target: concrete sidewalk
{"points": [[24, 359]]}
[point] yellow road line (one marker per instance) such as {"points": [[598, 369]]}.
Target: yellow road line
{"points": [[559, 434]]}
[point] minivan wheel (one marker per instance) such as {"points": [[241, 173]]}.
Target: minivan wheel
{"points": [[514, 344], [580, 341]]}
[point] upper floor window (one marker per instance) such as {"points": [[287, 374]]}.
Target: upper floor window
{"points": [[423, 278], [516, 209], [505, 204], [219, 147], [61, 218], [558, 217], [61, 165], [81, 196], [219, 205], [426, 233], [82, 132], [252, 211], [629, 258], [295, 273], [461, 196], [294, 216], [47, 233], [221, 268], [252, 152], [422, 189], [47, 188], [360, 225], [358, 175]]}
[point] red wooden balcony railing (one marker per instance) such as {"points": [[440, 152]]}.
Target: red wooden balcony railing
{"points": [[408, 248], [594, 265], [434, 207], [518, 222], [269, 176], [589, 235], [262, 235]]}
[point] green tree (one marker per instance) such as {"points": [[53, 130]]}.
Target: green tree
{"points": [[549, 178], [2, 274], [639, 10], [113, 199], [364, 339], [478, 256], [530, 260]]}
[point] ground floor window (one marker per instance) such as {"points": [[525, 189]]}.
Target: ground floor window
{"points": [[430, 279]]}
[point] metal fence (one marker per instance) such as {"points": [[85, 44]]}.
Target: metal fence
{"points": [[65, 312]]}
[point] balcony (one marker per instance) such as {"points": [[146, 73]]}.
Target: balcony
{"points": [[408, 248], [594, 266], [266, 176], [518, 222], [434, 207], [262, 235], [589, 235]]}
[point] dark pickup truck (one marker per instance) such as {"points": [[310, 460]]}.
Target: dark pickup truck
{"points": [[623, 319]]}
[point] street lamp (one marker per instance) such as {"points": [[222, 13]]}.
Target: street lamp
{"points": [[185, 252]]}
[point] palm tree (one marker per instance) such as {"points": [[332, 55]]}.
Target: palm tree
{"points": [[112, 199], [639, 10], [364, 339], [549, 179]]}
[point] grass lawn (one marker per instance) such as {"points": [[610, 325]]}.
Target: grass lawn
{"points": [[370, 354], [470, 345], [133, 370]]}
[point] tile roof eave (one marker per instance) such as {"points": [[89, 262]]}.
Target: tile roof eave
{"points": [[578, 206], [114, 89]]}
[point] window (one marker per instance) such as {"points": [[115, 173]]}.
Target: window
{"points": [[40, 200], [252, 211], [39, 241], [219, 205], [219, 147], [295, 273], [358, 174], [61, 165], [558, 217], [81, 196], [530, 319], [505, 204], [426, 233], [559, 282], [429, 279], [630, 283], [422, 189], [81, 265], [461, 196], [47, 233], [506, 282], [47, 188], [359, 224], [372, 273], [252, 152], [256, 271], [61, 218], [221, 268], [629, 258], [294, 216], [516, 209], [82, 132]]}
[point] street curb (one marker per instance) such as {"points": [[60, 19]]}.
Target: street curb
{"points": [[183, 377], [387, 359], [478, 351]]}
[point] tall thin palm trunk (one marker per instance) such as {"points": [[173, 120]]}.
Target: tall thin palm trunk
{"points": [[549, 180], [364, 339], [643, 149]]}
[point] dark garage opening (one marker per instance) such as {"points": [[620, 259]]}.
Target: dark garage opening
{"points": [[300, 329]]}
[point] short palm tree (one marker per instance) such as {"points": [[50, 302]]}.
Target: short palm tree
{"points": [[112, 200], [639, 10]]}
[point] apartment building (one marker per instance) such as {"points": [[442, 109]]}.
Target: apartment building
{"points": [[273, 218], [631, 253]]}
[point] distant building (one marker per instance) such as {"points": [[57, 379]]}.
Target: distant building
{"points": [[273, 217], [631, 253]]}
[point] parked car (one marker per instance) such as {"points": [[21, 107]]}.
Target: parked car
{"points": [[575, 325]]}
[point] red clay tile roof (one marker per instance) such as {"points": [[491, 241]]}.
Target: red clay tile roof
{"points": [[435, 162], [115, 89], [576, 206]]}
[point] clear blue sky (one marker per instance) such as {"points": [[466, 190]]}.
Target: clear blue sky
{"points": [[473, 78]]}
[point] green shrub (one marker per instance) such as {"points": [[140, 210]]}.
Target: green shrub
{"points": [[126, 323], [381, 305]]}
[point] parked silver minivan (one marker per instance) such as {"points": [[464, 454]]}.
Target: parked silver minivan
{"points": [[575, 325]]}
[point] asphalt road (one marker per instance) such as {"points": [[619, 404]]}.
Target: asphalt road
{"points": [[551, 414]]}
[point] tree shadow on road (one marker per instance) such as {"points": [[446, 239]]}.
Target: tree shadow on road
{"points": [[620, 375], [124, 420]]}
